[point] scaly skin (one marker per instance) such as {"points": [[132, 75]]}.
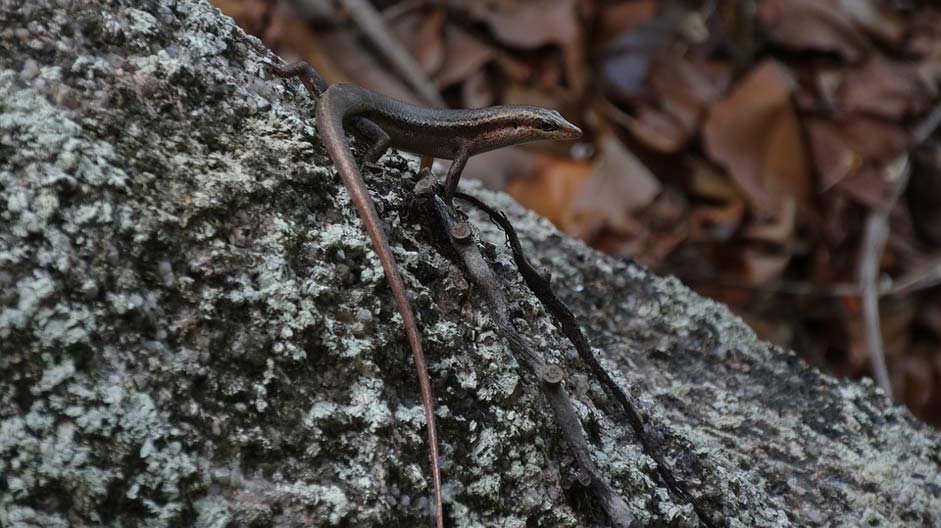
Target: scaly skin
{"points": [[449, 134]]}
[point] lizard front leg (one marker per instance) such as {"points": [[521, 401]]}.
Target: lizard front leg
{"points": [[454, 173]]}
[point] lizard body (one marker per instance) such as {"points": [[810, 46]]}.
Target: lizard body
{"points": [[448, 134]]}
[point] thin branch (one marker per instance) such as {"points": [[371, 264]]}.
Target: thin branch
{"points": [[923, 276], [550, 376], [374, 28], [927, 275], [926, 127], [875, 236], [542, 289], [399, 9]]}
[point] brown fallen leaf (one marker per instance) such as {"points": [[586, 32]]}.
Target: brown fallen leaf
{"points": [[656, 129], [895, 317], [467, 55], [685, 88], [776, 230], [477, 91], [818, 25], [760, 266], [646, 246], [653, 90], [550, 188], [618, 185], [848, 154], [835, 159], [915, 380], [875, 18], [882, 87], [533, 23], [666, 228], [526, 94], [683, 91], [754, 134], [719, 207]]}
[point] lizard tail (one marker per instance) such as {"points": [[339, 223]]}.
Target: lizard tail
{"points": [[335, 104]]}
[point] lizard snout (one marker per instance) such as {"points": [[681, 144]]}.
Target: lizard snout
{"points": [[568, 130]]}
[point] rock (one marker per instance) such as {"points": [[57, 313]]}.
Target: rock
{"points": [[184, 297]]}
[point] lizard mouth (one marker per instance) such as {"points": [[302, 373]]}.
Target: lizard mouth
{"points": [[570, 131]]}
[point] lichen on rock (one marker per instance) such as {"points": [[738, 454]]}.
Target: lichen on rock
{"points": [[194, 329]]}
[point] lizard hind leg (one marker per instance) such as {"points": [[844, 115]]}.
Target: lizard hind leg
{"points": [[372, 135]]}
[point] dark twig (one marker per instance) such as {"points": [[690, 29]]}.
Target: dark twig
{"points": [[541, 287], [543, 290], [550, 376]]}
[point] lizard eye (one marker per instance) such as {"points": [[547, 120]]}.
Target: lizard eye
{"points": [[545, 125]]}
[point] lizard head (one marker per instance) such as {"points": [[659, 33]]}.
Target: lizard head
{"points": [[543, 123], [500, 126]]}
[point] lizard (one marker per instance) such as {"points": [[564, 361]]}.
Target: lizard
{"points": [[454, 134]]}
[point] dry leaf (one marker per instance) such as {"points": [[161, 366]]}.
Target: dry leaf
{"points": [[619, 184], [760, 266], [550, 189], [816, 25], [777, 229], [848, 154], [666, 228], [684, 92], [657, 130], [715, 223], [875, 18], [754, 134], [867, 186], [834, 158], [655, 92], [915, 380], [467, 56], [882, 87], [534, 23]]}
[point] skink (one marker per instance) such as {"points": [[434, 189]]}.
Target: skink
{"points": [[448, 134]]}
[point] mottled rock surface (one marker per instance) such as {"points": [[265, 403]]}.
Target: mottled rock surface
{"points": [[194, 330]]}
